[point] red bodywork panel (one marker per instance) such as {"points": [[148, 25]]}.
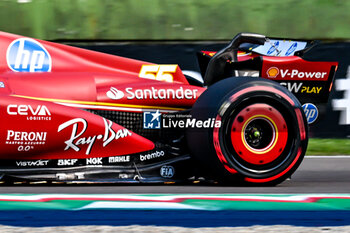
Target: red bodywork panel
{"points": [[41, 111], [295, 68]]}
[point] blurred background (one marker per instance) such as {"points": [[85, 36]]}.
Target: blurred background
{"points": [[171, 32], [175, 20]]}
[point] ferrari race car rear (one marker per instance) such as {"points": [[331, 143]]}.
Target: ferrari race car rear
{"points": [[80, 116]]}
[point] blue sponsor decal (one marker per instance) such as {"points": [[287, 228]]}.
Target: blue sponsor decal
{"points": [[291, 49], [28, 55], [311, 112], [151, 120], [273, 48]]}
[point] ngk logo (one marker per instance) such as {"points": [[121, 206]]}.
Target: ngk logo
{"points": [[295, 74], [93, 161]]}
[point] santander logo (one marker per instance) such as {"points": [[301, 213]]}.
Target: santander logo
{"points": [[115, 94]]}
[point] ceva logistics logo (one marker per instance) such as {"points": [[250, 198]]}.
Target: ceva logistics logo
{"points": [[28, 55]]}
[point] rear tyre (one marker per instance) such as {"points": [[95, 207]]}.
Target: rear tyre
{"points": [[263, 135]]}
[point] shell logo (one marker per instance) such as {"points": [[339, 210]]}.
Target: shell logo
{"points": [[272, 72]]}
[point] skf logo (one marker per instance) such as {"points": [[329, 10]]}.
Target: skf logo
{"points": [[272, 72], [151, 120], [28, 55], [115, 94]]}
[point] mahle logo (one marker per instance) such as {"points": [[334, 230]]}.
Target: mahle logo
{"points": [[28, 55]]}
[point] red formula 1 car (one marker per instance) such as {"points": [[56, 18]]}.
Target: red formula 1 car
{"points": [[70, 114]]}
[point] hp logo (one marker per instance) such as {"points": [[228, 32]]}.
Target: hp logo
{"points": [[311, 112], [28, 55]]}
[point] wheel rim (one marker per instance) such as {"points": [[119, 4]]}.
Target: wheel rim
{"points": [[258, 135]]}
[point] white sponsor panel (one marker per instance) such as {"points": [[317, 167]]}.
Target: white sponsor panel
{"points": [[280, 47], [343, 105], [77, 138]]}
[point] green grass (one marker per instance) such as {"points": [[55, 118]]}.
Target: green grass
{"points": [[327, 146], [174, 20]]}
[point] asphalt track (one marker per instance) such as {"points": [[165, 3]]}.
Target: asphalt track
{"points": [[315, 175]]}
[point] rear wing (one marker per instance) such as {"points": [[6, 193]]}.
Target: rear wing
{"points": [[279, 47], [281, 61]]}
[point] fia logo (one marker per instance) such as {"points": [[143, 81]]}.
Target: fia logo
{"points": [[311, 112], [151, 120], [167, 171], [28, 55]]}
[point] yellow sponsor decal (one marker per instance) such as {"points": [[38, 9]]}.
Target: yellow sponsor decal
{"points": [[158, 72], [311, 90]]}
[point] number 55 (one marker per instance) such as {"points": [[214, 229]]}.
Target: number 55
{"points": [[158, 72]]}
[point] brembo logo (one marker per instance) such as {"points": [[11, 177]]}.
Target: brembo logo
{"points": [[115, 94], [41, 112], [154, 155], [273, 72]]}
